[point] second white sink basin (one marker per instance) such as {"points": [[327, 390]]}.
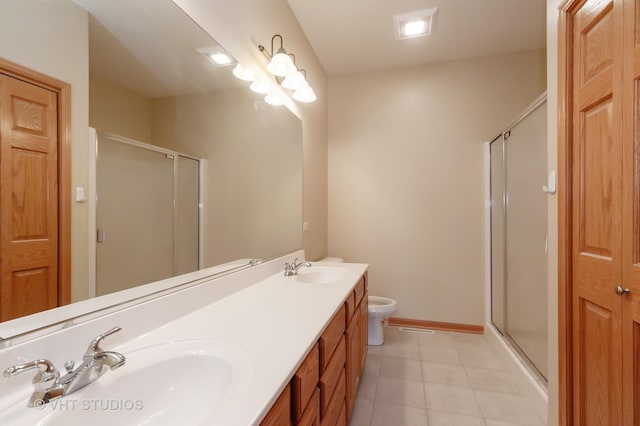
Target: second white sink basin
{"points": [[166, 384], [321, 275]]}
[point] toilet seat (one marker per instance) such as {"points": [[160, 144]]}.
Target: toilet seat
{"points": [[381, 305]]}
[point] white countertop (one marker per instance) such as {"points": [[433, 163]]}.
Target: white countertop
{"points": [[276, 321], [270, 322]]}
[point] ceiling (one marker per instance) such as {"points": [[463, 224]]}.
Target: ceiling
{"points": [[353, 36]]}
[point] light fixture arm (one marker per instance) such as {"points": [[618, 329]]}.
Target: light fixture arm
{"points": [[269, 54]]}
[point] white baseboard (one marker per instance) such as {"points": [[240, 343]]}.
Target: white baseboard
{"points": [[534, 390]]}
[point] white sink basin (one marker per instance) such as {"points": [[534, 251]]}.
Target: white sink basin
{"points": [[321, 275], [181, 382]]}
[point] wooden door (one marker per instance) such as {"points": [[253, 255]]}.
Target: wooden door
{"points": [[597, 213], [630, 364], [28, 198]]}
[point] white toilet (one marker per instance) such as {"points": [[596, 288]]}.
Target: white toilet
{"points": [[380, 309]]}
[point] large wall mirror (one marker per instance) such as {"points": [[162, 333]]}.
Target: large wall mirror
{"points": [[188, 169]]}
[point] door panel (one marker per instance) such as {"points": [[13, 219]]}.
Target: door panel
{"points": [[596, 176], [631, 216], [597, 213], [29, 199], [599, 364]]}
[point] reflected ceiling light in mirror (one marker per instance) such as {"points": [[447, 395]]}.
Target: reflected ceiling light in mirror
{"points": [[283, 66], [216, 55]]}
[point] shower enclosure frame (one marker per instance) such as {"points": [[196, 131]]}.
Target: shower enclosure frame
{"points": [[92, 200], [504, 334]]}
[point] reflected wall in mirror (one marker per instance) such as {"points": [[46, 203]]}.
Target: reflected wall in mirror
{"points": [[151, 85]]}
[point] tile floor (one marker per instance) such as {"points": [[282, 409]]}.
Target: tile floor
{"points": [[439, 379]]}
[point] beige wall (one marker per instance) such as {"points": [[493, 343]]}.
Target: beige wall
{"points": [[241, 25], [252, 193], [552, 150], [36, 34], [405, 176], [114, 109]]}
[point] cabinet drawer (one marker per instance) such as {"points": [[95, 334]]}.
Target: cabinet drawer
{"points": [[329, 379], [332, 416], [359, 291], [351, 306], [311, 415], [342, 417], [280, 413], [304, 382], [331, 337]]}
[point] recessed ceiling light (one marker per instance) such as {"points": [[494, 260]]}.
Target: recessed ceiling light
{"points": [[414, 28], [415, 24]]}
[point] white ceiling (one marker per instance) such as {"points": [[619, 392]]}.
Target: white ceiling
{"points": [[352, 36]]}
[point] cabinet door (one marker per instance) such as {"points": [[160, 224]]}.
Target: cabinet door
{"points": [[353, 362]]}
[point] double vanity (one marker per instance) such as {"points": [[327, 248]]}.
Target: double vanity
{"points": [[251, 347]]}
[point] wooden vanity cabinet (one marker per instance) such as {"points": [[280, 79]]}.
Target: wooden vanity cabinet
{"points": [[280, 413], [323, 389], [311, 415], [305, 383]]}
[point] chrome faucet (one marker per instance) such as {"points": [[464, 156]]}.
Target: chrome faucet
{"points": [[292, 268], [47, 382]]}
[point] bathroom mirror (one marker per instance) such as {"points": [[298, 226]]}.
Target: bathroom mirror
{"points": [[153, 88]]}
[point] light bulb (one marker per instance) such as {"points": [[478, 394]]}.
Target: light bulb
{"points": [[305, 94], [281, 64], [258, 87], [242, 73], [295, 81], [274, 99]]}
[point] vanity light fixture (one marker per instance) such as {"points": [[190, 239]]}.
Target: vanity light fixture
{"points": [[280, 63], [283, 66], [415, 24], [274, 99], [258, 87], [242, 73]]}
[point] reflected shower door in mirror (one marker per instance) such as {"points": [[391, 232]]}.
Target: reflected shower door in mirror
{"points": [[147, 214], [149, 77]]}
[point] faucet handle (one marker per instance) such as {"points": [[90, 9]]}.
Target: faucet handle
{"points": [[46, 371], [94, 345]]}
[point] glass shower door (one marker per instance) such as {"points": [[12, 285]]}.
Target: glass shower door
{"points": [[526, 237], [497, 235], [134, 216], [519, 236]]}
